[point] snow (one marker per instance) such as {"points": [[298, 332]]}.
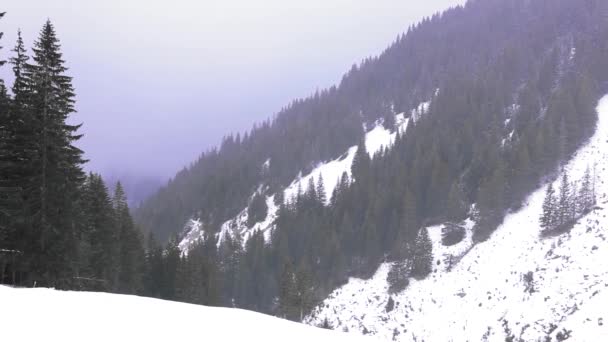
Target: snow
{"points": [[572, 53], [483, 296], [422, 109], [238, 225], [48, 315], [376, 139], [331, 172], [194, 229]]}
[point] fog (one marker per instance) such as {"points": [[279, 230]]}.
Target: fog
{"points": [[159, 82]]}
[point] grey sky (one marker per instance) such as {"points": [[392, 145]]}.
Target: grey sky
{"points": [[158, 82]]}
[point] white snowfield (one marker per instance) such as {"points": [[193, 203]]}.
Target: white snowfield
{"points": [[484, 297], [376, 139], [49, 315]]}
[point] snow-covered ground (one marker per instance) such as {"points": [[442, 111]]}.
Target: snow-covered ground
{"points": [[49, 315], [376, 139], [484, 297]]}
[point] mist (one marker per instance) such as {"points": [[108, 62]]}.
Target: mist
{"points": [[157, 85]]}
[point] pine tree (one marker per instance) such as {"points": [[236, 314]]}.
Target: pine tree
{"points": [[257, 209], [131, 245], [321, 194], [548, 217], [422, 264], [57, 163], [288, 292], [6, 216], [102, 233], [398, 276], [361, 162], [585, 198], [2, 62], [564, 203], [456, 204]]}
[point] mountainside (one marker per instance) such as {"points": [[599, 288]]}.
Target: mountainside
{"points": [[459, 120], [517, 286], [91, 316]]}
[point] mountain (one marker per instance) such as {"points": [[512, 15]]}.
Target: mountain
{"points": [[517, 286], [451, 128], [76, 316]]}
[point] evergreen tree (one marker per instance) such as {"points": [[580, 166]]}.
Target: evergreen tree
{"points": [[131, 244], [17, 145], [586, 198], [456, 204], [548, 217], [398, 276], [102, 233], [57, 163], [361, 162], [564, 205], [422, 264], [257, 209], [321, 194], [305, 290], [2, 62], [288, 292]]}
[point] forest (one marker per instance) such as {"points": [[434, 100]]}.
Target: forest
{"points": [[508, 106]]}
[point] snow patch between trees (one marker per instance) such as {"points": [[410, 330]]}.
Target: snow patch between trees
{"points": [[376, 139]]}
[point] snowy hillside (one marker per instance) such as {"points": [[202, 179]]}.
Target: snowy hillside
{"points": [[376, 139], [49, 315], [484, 296]]}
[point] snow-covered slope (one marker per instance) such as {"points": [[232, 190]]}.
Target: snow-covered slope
{"points": [[50, 315], [483, 297], [376, 139]]}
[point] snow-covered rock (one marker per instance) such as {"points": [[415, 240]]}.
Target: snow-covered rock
{"points": [[49, 315], [516, 286]]}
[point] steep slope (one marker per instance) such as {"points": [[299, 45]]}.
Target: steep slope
{"points": [[519, 81], [46, 314], [516, 286], [376, 139]]}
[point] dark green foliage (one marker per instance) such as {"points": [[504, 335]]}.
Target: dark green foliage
{"points": [[131, 245], [100, 233], [398, 276], [257, 209], [561, 211], [452, 234], [549, 216], [422, 258], [63, 226], [456, 206]]}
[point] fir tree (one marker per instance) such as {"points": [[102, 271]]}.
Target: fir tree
{"points": [[321, 194], [456, 205], [422, 264], [361, 162], [548, 217], [102, 233], [564, 206], [57, 164], [586, 198], [131, 244]]}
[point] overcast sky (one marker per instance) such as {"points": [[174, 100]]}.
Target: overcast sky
{"points": [[159, 82]]}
